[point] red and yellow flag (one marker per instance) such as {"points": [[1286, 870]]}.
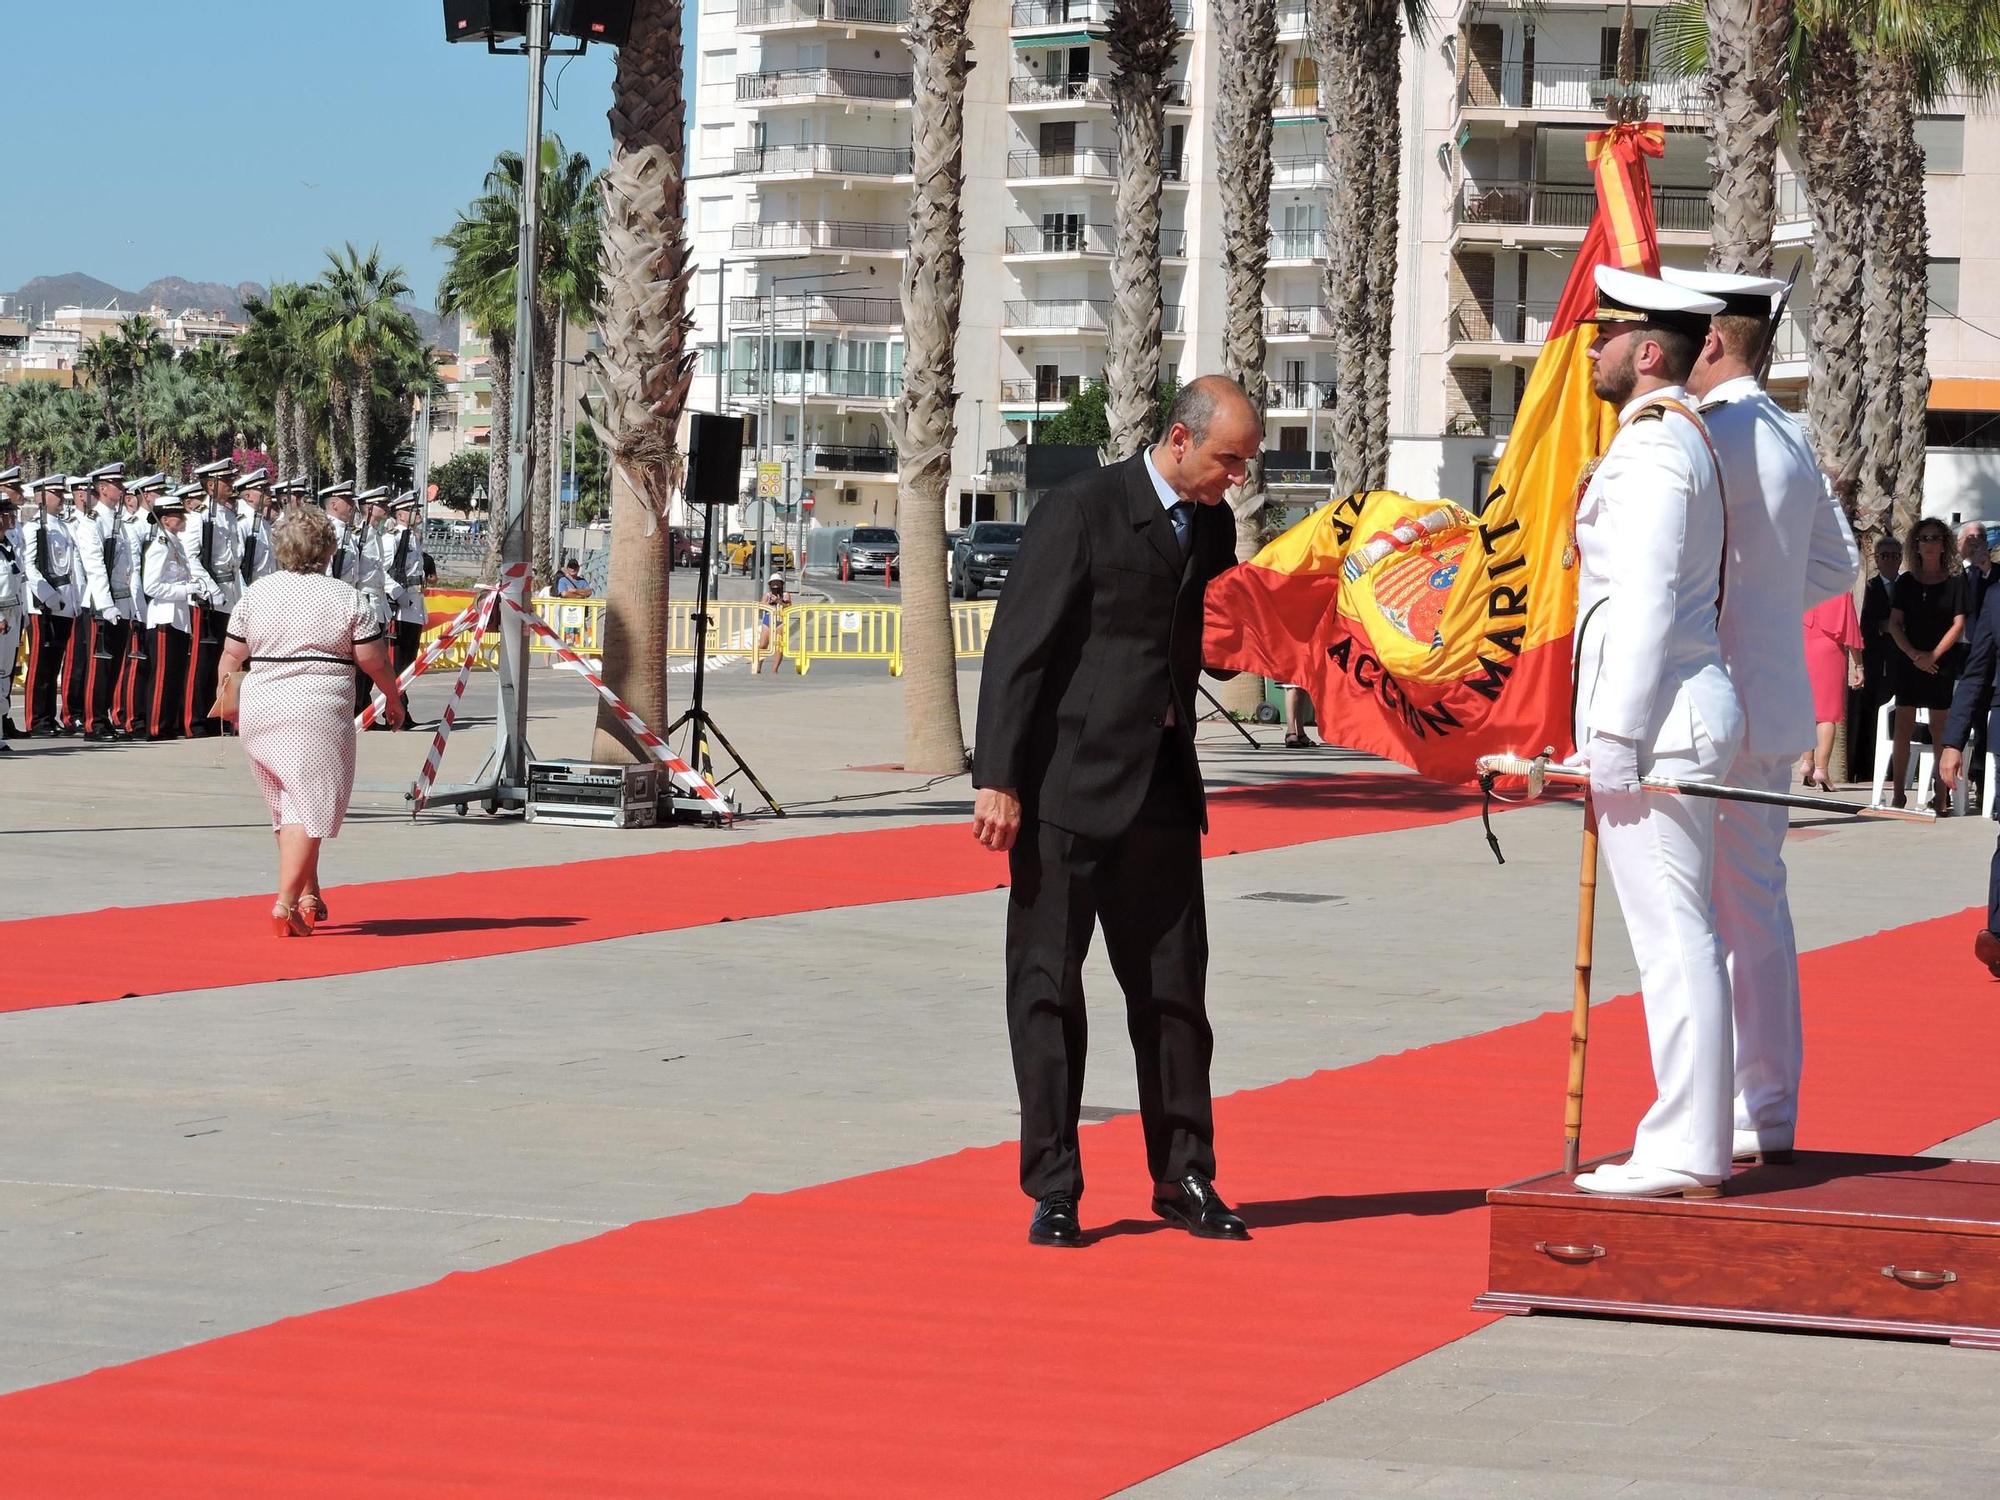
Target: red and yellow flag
{"points": [[1424, 632]]}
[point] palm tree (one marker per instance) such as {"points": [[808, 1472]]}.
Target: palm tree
{"points": [[1247, 35], [277, 362], [478, 287], [40, 424], [933, 292], [362, 318], [1748, 44], [142, 346], [1143, 37], [98, 361], [645, 361]]}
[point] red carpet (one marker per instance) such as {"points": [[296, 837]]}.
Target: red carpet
{"points": [[123, 952], [892, 1335]]}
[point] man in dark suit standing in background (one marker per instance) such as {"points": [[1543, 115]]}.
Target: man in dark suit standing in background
{"points": [[1973, 708], [1086, 769]]}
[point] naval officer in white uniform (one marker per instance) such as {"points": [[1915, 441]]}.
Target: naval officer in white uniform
{"points": [[1652, 699], [1789, 548]]}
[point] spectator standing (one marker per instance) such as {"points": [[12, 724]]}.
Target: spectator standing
{"points": [[1976, 557], [1833, 662], [1972, 706], [1877, 655], [1926, 623], [771, 626], [570, 582]]}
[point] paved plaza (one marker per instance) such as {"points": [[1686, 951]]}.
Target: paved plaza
{"points": [[178, 1168]]}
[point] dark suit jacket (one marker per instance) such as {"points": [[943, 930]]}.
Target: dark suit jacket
{"points": [[1097, 633], [1972, 699]]}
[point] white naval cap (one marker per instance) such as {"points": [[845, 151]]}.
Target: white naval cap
{"points": [[335, 490], [1741, 296], [405, 501], [1628, 297], [174, 502], [48, 482], [109, 473], [151, 484], [11, 476], [80, 482], [222, 468], [296, 485], [373, 497], [256, 479]]}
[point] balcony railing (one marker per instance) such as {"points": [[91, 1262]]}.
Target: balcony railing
{"points": [[871, 385], [1297, 171], [1080, 163], [818, 307], [1296, 466], [1088, 88], [854, 161], [820, 234], [1298, 244], [1582, 87], [1478, 423], [1475, 322], [1293, 17], [1298, 395], [835, 459], [804, 12], [825, 83], [1032, 14], [1794, 207], [1567, 206], [1296, 96], [1091, 239], [1056, 393], [1080, 314], [1298, 322]]}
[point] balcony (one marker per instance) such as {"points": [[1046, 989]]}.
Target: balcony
{"points": [[836, 385], [1478, 423], [1579, 88], [1099, 240], [1296, 98], [1298, 323], [1075, 315], [1502, 323], [1288, 468], [1053, 394], [754, 15], [824, 160], [1297, 244], [819, 310], [785, 84], [1298, 171], [1028, 90], [1566, 206], [835, 459], [793, 236], [1794, 224], [1069, 15], [1298, 395], [1294, 19], [1097, 165]]}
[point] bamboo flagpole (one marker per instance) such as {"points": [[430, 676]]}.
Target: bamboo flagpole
{"points": [[1579, 1020]]}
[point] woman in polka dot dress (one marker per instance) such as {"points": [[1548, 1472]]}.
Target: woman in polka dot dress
{"points": [[302, 635]]}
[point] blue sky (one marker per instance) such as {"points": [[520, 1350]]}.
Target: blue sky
{"points": [[234, 140]]}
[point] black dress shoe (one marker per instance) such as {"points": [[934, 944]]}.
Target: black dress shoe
{"points": [[10, 729], [1054, 1222], [103, 734], [1194, 1204], [44, 731]]}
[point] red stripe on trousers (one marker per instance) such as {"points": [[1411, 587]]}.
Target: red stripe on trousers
{"points": [[159, 678], [194, 649], [34, 665], [90, 677]]}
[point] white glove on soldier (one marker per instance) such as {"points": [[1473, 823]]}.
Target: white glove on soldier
{"points": [[1614, 763]]}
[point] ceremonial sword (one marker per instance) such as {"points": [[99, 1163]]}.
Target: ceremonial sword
{"points": [[1543, 769]]}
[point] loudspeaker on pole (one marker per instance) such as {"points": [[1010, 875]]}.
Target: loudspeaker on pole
{"points": [[715, 458]]}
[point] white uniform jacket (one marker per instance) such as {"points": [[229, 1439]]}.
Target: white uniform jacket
{"points": [[254, 539], [138, 527], [371, 574], [120, 566], [87, 531], [1789, 548], [403, 571], [170, 582], [13, 577], [57, 590], [213, 533], [1650, 533]]}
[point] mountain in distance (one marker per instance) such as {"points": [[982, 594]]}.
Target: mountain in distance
{"points": [[44, 294]]}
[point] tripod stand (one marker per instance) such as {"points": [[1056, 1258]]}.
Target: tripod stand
{"points": [[701, 723]]}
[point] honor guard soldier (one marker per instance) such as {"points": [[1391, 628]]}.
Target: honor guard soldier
{"points": [[109, 608], [253, 495], [79, 515], [1789, 548], [337, 500], [215, 556], [171, 588], [13, 595], [129, 705], [48, 553], [404, 549], [1652, 698], [372, 576]]}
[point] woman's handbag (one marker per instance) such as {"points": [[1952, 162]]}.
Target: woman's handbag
{"points": [[228, 690]]}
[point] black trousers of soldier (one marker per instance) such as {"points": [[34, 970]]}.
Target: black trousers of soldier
{"points": [[130, 703], [48, 644], [409, 645], [75, 703], [204, 668], [109, 642], [166, 699]]}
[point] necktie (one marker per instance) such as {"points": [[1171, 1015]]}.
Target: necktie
{"points": [[1181, 513]]}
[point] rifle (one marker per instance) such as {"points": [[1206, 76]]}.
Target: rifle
{"points": [[211, 627]]}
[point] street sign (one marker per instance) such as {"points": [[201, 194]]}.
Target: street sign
{"points": [[807, 502], [770, 481]]}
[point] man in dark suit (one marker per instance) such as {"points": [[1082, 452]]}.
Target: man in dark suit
{"points": [[1878, 654], [1972, 706], [1085, 764]]}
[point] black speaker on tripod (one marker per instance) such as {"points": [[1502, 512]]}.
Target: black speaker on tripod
{"points": [[715, 458], [607, 21], [485, 20]]}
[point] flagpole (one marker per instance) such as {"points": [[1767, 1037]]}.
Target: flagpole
{"points": [[1579, 1019]]}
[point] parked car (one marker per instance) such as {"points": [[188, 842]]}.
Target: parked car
{"points": [[983, 556], [687, 548], [741, 553], [868, 549]]}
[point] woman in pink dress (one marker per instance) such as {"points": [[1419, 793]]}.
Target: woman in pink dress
{"points": [[301, 635], [1833, 662]]}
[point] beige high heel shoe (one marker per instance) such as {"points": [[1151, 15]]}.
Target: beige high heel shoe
{"points": [[312, 906], [286, 922]]}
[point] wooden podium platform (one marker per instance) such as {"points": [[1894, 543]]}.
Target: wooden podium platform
{"points": [[1903, 1245]]}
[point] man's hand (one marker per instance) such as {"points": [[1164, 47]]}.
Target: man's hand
{"points": [[996, 818], [1951, 764], [1614, 763]]}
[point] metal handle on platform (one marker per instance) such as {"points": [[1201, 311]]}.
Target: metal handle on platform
{"points": [[1920, 1278], [1578, 1254]]}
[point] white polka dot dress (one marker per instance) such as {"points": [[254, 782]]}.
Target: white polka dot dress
{"points": [[296, 713]]}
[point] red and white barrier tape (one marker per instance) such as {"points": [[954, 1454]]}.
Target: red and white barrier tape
{"points": [[427, 658], [420, 792]]}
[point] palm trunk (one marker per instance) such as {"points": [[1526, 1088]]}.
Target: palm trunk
{"points": [[281, 430], [1142, 38], [542, 453], [1247, 35], [360, 423], [1384, 76], [645, 359], [1747, 44], [1836, 180], [1343, 50], [933, 289], [500, 362], [1893, 289]]}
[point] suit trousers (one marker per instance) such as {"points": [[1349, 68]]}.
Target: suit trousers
{"points": [[75, 698], [1145, 888], [1753, 917], [1660, 851], [409, 645], [10, 653], [166, 703], [48, 644], [135, 682], [204, 669]]}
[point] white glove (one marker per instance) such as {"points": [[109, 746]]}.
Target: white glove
{"points": [[110, 615], [1613, 762]]}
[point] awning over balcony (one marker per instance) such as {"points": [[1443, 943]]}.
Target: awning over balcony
{"points": [[1055, 39], [1965, 393]]}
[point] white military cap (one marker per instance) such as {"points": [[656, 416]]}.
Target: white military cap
{"points": [[1627, 297], [296, 485], [152, 484], [222, 468], [174, 503], [256, 479], [80, 482], [114, 473], [335, 490], [48, 482], [11, 476], [374, 496], [405, 501], [189, 492], [1741, 296]]}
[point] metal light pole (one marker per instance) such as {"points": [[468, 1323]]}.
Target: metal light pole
{"points": [[555, 455]]}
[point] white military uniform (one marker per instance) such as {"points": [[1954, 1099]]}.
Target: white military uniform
{"points": [[1790, 547], [138, 528], [372, 575], [1649, 672], [254, 538], [13, 601], [170, 583], [213, 531], [58, 590], [405, 583]]}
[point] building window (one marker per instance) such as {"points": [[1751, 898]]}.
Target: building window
{"points": [[1943, 288], [718, 67], [714, 215], [1942, 140]]}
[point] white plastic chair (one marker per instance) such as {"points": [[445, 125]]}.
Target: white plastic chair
{"points": [[1924, 764]]}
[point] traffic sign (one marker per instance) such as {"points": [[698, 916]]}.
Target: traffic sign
{"points": [[807, 501], [770, 481]]}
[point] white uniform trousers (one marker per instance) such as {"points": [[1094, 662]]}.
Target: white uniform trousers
{"points": [[1754, 918], [10, 650], [1660, 851]]}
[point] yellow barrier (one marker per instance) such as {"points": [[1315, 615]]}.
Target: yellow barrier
{"points": [[848, 632], [969, 624]]}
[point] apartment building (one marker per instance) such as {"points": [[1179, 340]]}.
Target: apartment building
{"points": [[801, 174]]}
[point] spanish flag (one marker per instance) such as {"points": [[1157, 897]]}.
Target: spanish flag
{"points": [[1427, 633]]}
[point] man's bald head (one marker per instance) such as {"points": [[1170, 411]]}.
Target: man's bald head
{"points": [[1212, 433]]}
